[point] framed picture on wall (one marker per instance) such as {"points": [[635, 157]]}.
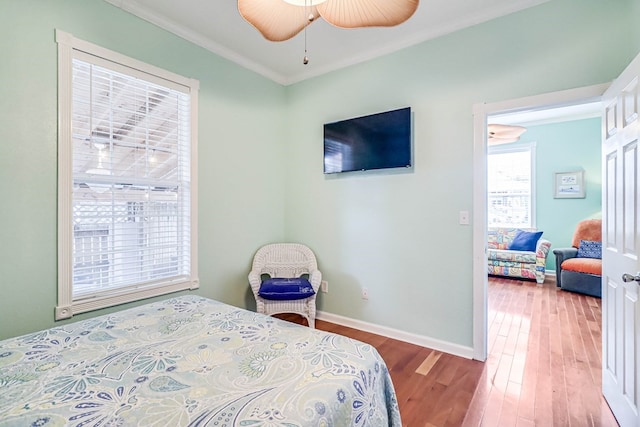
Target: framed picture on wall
{"points": [[569, 185]]}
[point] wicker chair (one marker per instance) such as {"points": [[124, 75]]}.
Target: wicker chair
{"points": [[286, 260]]}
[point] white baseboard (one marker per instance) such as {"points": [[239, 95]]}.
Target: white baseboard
{"points": [[396, 334]]}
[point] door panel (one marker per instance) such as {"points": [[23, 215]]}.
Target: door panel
{"points": [[621, 223]]}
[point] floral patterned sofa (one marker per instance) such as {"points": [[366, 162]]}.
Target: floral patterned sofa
{"points": [[515, 263]]}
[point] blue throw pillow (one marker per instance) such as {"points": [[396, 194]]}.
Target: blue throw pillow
{"points": [[590, 249], [286, 289], [525, 241]]}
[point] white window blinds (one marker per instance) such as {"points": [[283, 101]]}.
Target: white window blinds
{"points": [[510, 187], [131, 184]]}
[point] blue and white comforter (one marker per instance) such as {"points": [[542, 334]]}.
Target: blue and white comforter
{"points": [[191, 361]]}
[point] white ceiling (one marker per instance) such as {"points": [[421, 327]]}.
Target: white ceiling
{"points": [[217, 26]]}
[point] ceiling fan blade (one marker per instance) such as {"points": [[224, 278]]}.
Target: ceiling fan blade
{"points": [[367, 13], [505, 130], [497, 141], [276, 20]]}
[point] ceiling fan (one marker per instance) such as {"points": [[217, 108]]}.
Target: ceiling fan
{"points": [[503, 134], [279, 20]]}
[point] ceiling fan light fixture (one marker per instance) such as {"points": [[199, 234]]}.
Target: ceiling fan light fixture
{"points": [[279, 20], [503, 134]]}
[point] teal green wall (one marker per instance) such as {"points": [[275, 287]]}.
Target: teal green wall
{"points": [[397, 233], [241, 128], [565, 147]]}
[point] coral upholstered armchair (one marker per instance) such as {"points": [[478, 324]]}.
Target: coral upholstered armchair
{"points": [[579, 268], [285, 278]]}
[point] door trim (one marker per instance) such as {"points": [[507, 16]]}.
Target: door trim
{"points": [[480, 113]]}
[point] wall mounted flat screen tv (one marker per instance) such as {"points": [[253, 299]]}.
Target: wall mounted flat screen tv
{"points": [[376, 141]]}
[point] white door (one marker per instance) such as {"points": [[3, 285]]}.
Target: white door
{"points": [[621, 247]]}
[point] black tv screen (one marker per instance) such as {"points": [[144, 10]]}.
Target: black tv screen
{"points": [[376, 141]]}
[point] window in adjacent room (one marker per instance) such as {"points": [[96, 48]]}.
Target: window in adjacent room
{"points": [[126, 185], [510, 185]]}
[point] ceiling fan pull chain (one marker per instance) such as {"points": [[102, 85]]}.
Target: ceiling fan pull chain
{"points": [[305, 60]]}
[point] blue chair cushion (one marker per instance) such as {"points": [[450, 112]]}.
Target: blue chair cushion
{"points": [[589, 249], [525, 241], [286, 289]]}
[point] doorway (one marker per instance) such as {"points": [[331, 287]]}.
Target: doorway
{"points": [[516, 111]]}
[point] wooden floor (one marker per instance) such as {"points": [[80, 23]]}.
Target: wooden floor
{"points": [[543, 367]]}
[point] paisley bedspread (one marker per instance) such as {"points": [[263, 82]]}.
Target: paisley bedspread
{"points": [[192, 361]]}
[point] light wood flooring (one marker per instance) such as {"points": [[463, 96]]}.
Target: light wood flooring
{"points": [[543, 367]]}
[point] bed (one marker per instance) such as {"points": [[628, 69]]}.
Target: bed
{"points": [[192, 361]]}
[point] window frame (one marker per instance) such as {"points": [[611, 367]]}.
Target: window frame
{"points": [[66, 307], [529, 147]]}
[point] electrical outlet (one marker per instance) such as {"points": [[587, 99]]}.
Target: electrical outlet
{"points": [[365, 293], [324, 286]]}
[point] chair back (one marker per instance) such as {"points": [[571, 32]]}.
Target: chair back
{"points": [[285, 260], [589, 229]]}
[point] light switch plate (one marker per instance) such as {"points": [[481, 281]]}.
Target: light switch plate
{"points": [[464, 218]]}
